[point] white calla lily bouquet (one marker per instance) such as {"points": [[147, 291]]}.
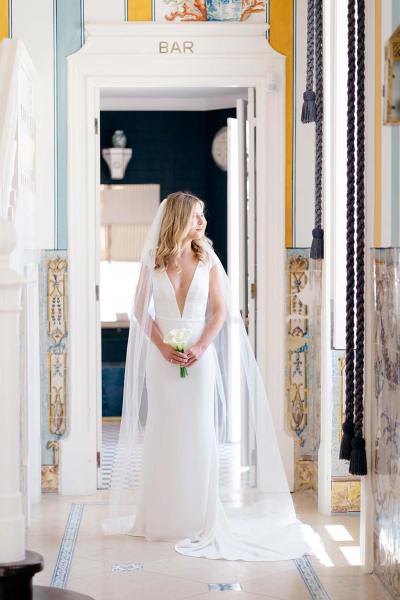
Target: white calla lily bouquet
{"points": [[178, 339]]}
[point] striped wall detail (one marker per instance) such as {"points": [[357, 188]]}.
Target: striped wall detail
{"points": [[378, 120], [140, 10], [68, 38], [5, 19], [282, 39]]}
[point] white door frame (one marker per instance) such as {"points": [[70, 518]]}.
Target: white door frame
{"points": [[132, 55]]}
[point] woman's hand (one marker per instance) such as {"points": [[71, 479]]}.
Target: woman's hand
{"points": [[173, 356], [195, 352]]}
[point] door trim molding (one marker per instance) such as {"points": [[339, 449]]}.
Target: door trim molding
{"points": [[128, 55]]}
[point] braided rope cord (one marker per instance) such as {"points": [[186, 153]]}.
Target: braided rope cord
{"points": [[319, 107], [308, 113], [310, 45], [360, 255], [350, 215]]}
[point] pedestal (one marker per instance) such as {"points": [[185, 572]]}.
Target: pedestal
{"points": [[16, 577], [16, 582]]}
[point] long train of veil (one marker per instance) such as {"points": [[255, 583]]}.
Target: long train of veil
{"points": [[254, 489]]}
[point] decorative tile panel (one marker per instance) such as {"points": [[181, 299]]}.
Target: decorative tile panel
{"points": [[57, 298], [53, 352], [302, 369], [346, 494], [224, 587], [57, 391], [50, 472], [127, 567], [306, 475], [297, 345], [386, 416]]}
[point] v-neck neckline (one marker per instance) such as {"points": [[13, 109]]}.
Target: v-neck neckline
{"points": [[187, 293]]}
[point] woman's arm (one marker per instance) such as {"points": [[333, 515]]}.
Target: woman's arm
{"points": [[218, 314]]}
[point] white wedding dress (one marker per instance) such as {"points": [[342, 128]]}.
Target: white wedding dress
{"points": [[179, 495]]}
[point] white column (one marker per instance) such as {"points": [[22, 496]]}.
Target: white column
{"points": [[12, 521], [31, 458]]}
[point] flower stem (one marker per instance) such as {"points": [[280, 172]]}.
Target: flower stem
{"points": [[183, 370]]}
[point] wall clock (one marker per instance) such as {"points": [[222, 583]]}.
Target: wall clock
{"points": [[219, 148]]}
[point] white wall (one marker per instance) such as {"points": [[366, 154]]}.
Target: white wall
{"points": [[303, 202], [104, 11], [33, 24]]}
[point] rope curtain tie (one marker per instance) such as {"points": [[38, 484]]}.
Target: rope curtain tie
{"points": [[353, 443], [308, 114], [313, 111]]}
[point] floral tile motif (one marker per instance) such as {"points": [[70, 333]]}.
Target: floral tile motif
{"points": [[53, 354], [386, 417], [297, 345], [57, 365], [302, 378], [56, 298], [210, 10]]}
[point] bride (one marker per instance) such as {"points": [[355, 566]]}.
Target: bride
{"points": [[181, 472]]}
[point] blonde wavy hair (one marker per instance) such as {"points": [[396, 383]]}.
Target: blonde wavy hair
{"points": [[175, 226]]}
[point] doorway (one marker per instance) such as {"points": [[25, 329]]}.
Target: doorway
{"points": [[200, 140], [128, 56]]}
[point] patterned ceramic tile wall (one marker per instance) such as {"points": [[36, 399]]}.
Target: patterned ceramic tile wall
{"points": [[53, 352], [386, 416], [300, 373], [303, 383]]}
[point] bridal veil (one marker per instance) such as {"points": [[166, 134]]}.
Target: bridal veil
{"points": [[256, 494]]}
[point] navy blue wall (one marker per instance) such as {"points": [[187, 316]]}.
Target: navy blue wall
{"points": [[174, 149]]}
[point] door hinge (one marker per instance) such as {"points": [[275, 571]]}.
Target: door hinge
{"points": [[253, 290], [98, 459], [96, 125], [97, 293]]}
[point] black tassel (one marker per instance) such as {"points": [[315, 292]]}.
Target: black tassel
{"points": [[308, 113], [347, 438], [317, 246], [358, 458]]}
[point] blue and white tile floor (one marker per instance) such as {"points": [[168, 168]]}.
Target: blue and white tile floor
{"points": [[78, 556]]}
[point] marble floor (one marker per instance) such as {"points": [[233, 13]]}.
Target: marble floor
{"points": [[78, 556]]}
